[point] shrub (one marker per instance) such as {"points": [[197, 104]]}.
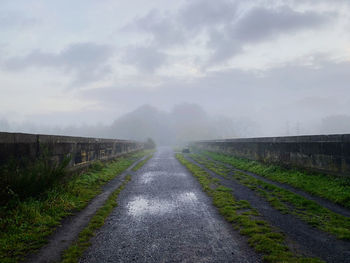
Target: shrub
{"points": [[150, 144], [97, 166]]}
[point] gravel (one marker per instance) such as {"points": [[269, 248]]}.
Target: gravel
{"points": [[163, 216]]}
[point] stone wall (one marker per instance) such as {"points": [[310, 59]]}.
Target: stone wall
{"points": [[81, 150], [325, 153]]}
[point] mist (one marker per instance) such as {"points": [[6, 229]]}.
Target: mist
{"points": [[175, 71], [183, 123]]}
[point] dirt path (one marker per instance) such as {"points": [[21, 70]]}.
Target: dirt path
{"points": [[72, 225], [163, 216], [302, 237]]}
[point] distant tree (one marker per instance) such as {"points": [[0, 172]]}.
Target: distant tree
{"points": [[150, 144], [142, 123]]}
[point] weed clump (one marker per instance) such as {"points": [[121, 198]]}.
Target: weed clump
{"points": [[96, 166], [21, 179]]}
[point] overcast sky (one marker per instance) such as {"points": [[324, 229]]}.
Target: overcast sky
{"points": [[274, 62]]}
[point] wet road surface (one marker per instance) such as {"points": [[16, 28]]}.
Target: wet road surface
{"points": [[303, 238], [163, 216]]}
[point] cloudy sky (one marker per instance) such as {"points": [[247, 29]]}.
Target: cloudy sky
{"points": [[276, 63]]}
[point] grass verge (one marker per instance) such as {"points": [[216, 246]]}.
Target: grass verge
{"points": [[333, 188], [25, 228], [142, 163], [76, 250], [261, 236], [286, 201]]}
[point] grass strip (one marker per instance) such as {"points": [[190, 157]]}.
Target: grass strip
{"points": [[25, 228], [287, 202], [142, 163], [333, 188], [261, 236], [76, 250]]}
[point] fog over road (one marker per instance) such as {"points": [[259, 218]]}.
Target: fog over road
{"points": [[163, 216]]}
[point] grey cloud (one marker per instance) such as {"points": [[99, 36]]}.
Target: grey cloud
{"points": [[260, 24], [163, 28], [36, 58], [207, 13], [223, 46], [11, 20], [88, 61], [169, 29], [147, 59], [229, 26], [333, 2], [328, 79]]}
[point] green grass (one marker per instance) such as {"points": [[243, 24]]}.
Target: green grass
{"points": [[142, 163], [75, 251], [261, 236], [333, 188], [25, 228], [24, 178], [286, 201]]}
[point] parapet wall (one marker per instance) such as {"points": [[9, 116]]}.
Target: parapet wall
{"points": [[81, 150], [324, 153]]}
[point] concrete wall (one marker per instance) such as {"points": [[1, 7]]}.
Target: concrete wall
{"points": [[82, 150], [325, 153]]}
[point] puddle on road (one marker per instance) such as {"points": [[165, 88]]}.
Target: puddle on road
{"points": [[141, 205], [156, 162], [151, 176], [188, 197]]}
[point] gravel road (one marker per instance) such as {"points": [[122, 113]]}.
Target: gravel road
{"points": [[163, 216]]}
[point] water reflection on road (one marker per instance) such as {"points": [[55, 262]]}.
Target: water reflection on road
{"points": [[142, 205]]}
